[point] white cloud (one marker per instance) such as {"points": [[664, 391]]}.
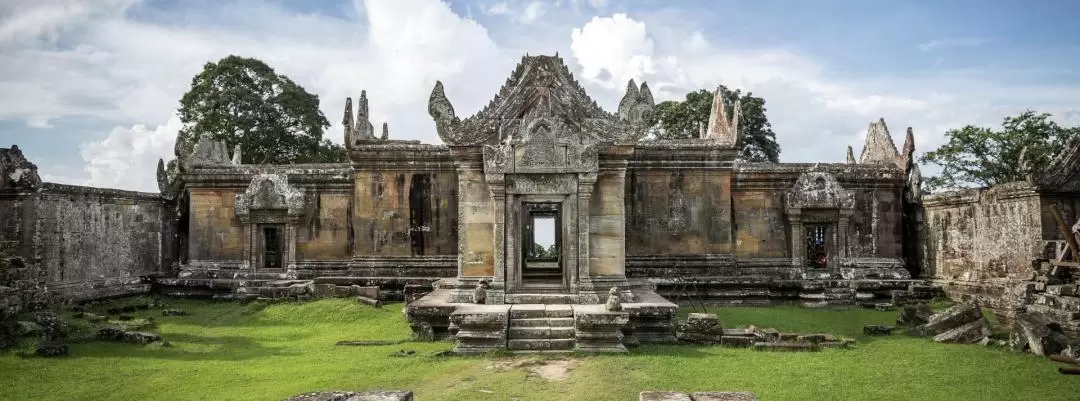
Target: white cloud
{"points": [[533, 11], [613, 50], [947, 43], [132, 73]]}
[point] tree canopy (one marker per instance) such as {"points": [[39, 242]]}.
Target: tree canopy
{"points": [[681, 120], [982, 156], [243, 101]]}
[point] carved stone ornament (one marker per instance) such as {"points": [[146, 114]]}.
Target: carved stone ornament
{"points": [[541, 184], [209, 153], [16, 171], [817, 189], [270, 192], [541, 145], [1063, 172], [542, 86]]}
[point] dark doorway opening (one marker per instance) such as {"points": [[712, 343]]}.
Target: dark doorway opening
{"points": [[272, 247], [817, 246]]}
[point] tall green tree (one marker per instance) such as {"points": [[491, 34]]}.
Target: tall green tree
{"points": [[983, 156], [681, 120], [243, 101]]}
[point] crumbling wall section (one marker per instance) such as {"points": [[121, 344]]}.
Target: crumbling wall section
{"points": [[73, 243], [79, 243], [980, 242]]}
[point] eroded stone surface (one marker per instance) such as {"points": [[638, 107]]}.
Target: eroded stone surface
{"points": [[377, 395]]}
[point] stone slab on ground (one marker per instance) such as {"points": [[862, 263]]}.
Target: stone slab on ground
{"points": [[951, 318], [967, 334], [354, 396], [698, 396]]}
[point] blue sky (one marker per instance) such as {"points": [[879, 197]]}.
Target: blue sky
{"points": [[88, 88]]}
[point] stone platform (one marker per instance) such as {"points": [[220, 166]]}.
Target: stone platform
{"points": [[553, 327]]}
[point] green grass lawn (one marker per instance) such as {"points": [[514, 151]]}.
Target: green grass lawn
{"points": [[227, 351]]}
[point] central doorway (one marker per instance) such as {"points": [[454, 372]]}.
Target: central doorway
{"points": [[542, 259]]}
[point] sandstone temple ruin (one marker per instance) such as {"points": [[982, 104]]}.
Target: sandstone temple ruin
{"points": [[633, 223]]}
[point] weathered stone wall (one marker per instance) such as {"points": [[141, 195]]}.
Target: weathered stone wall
{"points": [[980, 242], [215, 234], [324, 233], [678, 200], [81, 243], [403, 213]]}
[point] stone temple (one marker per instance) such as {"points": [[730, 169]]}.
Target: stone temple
{"points": [[628, 223]]}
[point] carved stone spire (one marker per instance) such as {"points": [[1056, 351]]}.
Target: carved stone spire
{"points": [[850, 155], [907, 157], [879, 147], [363, 131], [721, 128], [629, 100], [237, 158], [162, 176], [385, 131], [645, 94], [347, 122], [701, 129]]}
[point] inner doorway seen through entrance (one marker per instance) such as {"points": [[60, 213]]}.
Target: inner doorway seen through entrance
{"points": [[272, 246], [542, 253]]}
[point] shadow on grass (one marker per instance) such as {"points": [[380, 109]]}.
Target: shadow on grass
{"points": [[223, 348]]}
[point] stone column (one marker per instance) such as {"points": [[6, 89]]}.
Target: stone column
{"points": [[798, 243], [290, 246], [248, 243], [587, 292], [502, 280]]}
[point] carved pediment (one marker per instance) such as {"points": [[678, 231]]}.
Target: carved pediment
{"points": [[817, 189], [270, 192], [1063, 172], [541, 145], [542, 86]]}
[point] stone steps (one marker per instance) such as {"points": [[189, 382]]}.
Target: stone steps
{"points": [[543, 322], [542, 298], [537, 327]]}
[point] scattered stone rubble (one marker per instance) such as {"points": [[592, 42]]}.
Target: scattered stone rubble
{"points": [[961, 324], [1040, 335], [1053, 292], [701, 396], [377, 395], [705, 328]]}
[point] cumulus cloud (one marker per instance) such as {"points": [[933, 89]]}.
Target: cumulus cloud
{"points": [[134, 72], [131, 73]]}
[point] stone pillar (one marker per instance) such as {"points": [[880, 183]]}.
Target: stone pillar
{"points": [[842, 233], [587, 293], [248, 243], [798, 243], [500, 281], [290, 246]]}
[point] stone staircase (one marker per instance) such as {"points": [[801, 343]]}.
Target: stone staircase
{"points": [[535, 328]]}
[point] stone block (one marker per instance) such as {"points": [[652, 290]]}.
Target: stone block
{"points": [[379, 395], [884, 307], [599, 330], [914, 315], [365, 291], [785, 346], [1061, 289], [967, 334], [951, 318], [878, 330], [737, 341], [663, 396], [724, 396], [323, 290]]}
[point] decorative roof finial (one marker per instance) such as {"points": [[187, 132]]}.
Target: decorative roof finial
{"points": [[879, 147], [850, 155], [721, 128], [385, 131]]}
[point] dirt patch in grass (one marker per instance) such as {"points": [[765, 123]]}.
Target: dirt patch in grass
{"points": [[548, 369]]}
